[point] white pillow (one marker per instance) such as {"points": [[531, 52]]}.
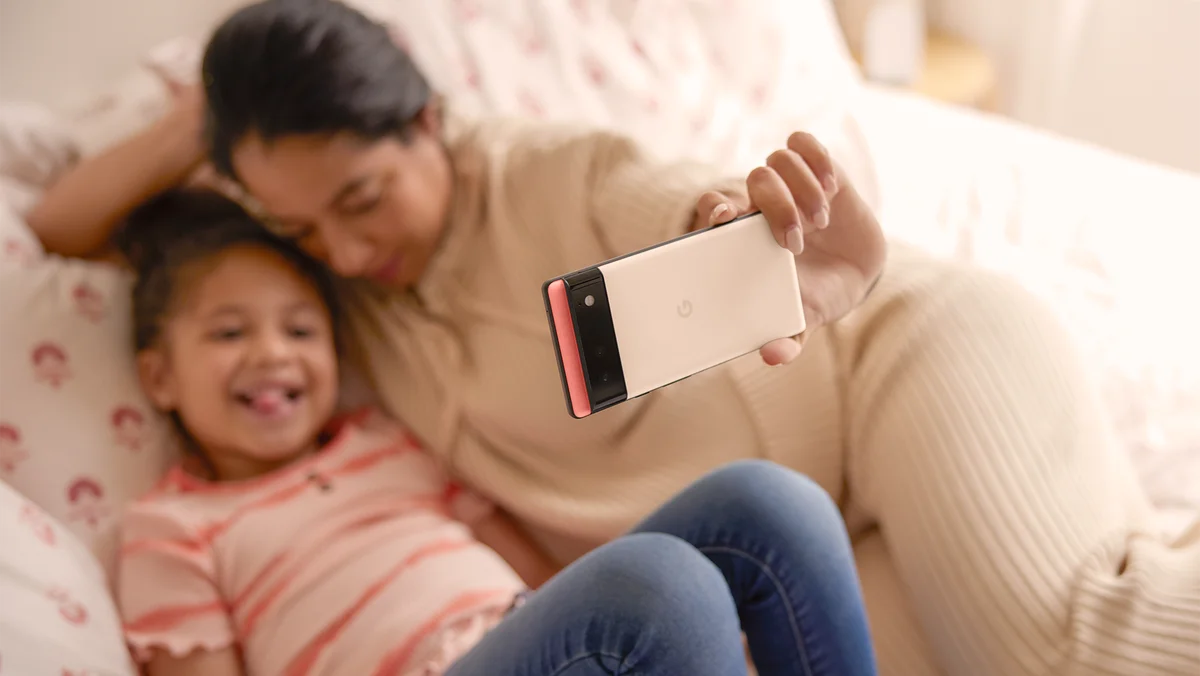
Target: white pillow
{"points": [[35, 147], [57, 617], [135, 99], [18, 246], [77, 436]]}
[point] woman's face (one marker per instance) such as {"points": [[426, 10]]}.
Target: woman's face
{"points": [[373, 209]]}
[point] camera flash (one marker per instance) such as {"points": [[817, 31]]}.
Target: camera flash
{"points": [[589, 300]]}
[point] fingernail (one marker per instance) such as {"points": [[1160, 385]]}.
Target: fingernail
{"points": [[718, 213], [830, 185], [821, 219], [788, 351], [794, 238]]}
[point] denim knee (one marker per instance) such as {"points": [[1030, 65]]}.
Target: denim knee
{"points": [[668, 602], [766, 492], [646, 575]]}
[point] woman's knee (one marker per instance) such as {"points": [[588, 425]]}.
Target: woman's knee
{"points": [[974, 307], [922, 300], [944, 343], [985, 293]]}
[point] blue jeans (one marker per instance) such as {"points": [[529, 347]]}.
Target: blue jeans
{"points": [[752, 547]]}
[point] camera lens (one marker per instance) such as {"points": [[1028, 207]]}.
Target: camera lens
{"points": [[589, 300]]}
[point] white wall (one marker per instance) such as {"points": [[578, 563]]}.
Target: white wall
{"points": [[1121, 73], [1135, 84], [80, 46]]}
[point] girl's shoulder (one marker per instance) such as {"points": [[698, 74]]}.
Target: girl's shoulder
{"points": [[167, 513], [183, 496]]}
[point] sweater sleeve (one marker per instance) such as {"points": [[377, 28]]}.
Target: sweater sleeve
{"points": [[637, 201], [577, 188]]}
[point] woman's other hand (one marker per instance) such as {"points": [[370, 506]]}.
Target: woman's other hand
{"points": [[183, 124], [183, 121], [77, 215], [817, 214]]}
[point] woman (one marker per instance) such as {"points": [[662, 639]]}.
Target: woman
{"points": [[948, 408]]}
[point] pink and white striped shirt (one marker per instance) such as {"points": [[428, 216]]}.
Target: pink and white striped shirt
{"points": [[346, 562]]}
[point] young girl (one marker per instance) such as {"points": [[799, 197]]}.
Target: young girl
{"points": [[292, 541]]}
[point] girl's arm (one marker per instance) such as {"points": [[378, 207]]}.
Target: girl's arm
{"points": [[78, 213], [222, 662], [168, 595], [498, 531]]}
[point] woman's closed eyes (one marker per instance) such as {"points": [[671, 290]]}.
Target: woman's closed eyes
{"points": [[359, 205]]}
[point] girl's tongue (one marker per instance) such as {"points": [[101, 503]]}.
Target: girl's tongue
{"points": [[268, 401]]}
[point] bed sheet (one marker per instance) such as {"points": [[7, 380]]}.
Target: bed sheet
{"points": [[1110, 242]]}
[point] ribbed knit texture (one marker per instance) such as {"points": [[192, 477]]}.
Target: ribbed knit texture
{"points": [[949, 412], [1014, 519]]}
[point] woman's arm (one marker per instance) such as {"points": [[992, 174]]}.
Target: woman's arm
{"points": [[222, 662], [77, 215]]}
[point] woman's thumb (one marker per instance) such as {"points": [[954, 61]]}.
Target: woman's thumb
{"points": [[714, 208]]}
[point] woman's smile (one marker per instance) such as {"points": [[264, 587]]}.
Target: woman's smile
{"points": [[390, 271]]}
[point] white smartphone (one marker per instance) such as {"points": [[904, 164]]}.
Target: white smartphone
{"points": [[633, 324]]}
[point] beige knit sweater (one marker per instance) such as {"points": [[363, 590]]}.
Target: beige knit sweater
{"points": [[468, 363], [948, 412]]}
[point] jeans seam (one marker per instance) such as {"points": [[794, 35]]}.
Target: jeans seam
{"points": [[595, 653], [791, 611]]}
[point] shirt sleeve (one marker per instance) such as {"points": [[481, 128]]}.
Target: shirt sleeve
{"points": [[166, 588]]}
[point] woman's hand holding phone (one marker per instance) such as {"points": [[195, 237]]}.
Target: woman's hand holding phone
{"points": [[804, 250], [816, 213]]}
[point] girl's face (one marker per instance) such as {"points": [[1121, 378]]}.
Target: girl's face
{"points": [[373, 209], [247, 360]]}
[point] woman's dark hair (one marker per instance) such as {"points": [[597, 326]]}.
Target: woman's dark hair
{"points": [[168, 236], [283, 67]]}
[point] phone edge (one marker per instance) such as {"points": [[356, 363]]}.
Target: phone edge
{"points": [[562, 372]]}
